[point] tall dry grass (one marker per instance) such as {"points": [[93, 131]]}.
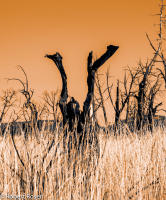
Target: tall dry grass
{"points": [[122, 167]]}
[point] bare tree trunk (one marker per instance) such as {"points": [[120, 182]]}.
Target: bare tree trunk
{"points": [[92, 68], [117, 110], [127, 110], [139, 120], [151, 108]]}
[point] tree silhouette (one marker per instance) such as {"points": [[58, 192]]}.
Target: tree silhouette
{"points": [[71, 110]]}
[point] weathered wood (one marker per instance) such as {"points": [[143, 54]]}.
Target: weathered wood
{"points": [[92, 68], [57, 58], [71, 110]]}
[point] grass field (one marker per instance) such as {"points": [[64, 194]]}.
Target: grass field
{"points": [[107, 168]]}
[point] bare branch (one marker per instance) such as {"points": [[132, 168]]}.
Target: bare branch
{"points": [[8, 100], [28, 93], [50, 100], [26, 78], [17, 79], [98, 85]]}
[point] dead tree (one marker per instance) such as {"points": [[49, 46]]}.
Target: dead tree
{"points": [[122, 98], [101, 99], [8, 100], [71, 110], [41, 109], [117, 107], [28, 93], [160, 39], [51, 103], [140, 97], [142, 85], [158, 53], [129, 83]]}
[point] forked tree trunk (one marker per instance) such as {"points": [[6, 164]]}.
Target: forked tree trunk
{"points": [[71, 110]]}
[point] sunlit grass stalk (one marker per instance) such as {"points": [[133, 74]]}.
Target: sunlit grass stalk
{"points": [[107, 167]]}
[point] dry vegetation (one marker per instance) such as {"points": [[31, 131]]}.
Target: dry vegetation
{"points": [[121, 167]]}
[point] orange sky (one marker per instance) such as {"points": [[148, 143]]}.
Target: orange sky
{"points": [[29, 29]]}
